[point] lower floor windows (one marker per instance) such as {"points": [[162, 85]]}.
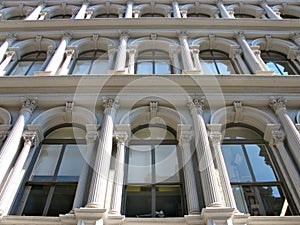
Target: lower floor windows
{"points": [[154, 201]]}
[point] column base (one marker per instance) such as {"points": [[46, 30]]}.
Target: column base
{"points": [[218, 215], [90, 215], [114, 218]]}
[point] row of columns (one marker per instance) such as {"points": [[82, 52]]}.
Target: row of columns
{"points": [[99, 160], [86, 13]]}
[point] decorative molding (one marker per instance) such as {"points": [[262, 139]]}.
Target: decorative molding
{"points": [[278, 104], [29, 104], [238, 108], [196, 105], [69, 109], [153, 109], [110, 104]]}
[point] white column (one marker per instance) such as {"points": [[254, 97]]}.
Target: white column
{"points": [[10, 146], [240, 63], [58, 56], [223, 11], [254, 64], [6, 61], [271, 14], [216, 138], [89, 13], [91, 138], [293, 137], [176, 11], [64, 68], [285, 163], [212, 195], [43, 14], [128, 13], [82, 11], [121, 55], [186, 53], [174, 58], [12, 184], [34, 15], [98, 186], [185, 138], [184, 13], [195, 54], [131, 63], [111, 57], [7, 43], [116, 201]]}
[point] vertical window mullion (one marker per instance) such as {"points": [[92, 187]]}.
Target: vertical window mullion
{"points": [[153, 179]]}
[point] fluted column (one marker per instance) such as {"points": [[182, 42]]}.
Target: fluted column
{"points": [[176, 9], [98, 186], [82, 11], [131, 62], [58, 55], [254, 64], [285, 163], [185, 138], [128, 13], [121, 55], [293, 137], [6, 61], [116, 201], [10, 146], [111, 57], [271, 14], [65, 66], [174, 51], [209, 181], [5, 45], [195, 54], [34, 15], [186, 53], [12, 184], [91, 138], [216, 138], [223, 11]]}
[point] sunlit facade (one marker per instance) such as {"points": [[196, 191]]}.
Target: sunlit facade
{"points": [[150, 112]]}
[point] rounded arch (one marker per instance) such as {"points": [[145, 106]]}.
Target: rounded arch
{"points": [[246, 115], [142, 115], [252, 10], [215, 43], [61, 9], [154, 8], [31, 45], [58, 115], [205, 9], [275, 44], [5, 117], [107, 9], [289, 10], [87, 44], [14, 11]]}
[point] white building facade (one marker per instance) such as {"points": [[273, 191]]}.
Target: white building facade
{"points": [[153, 112]]}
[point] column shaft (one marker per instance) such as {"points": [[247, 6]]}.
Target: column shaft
{"points": [[98, 187], [4, 64], [271, 14], [10, 146], [129, 10], [186, 53], [7, 43], [205, 161], [81, 13], [196, 59], [223, 11], [131, 62], [176, 10], [58, 56], [34, 15], [121, 55], [13, 182], [64, 68]]}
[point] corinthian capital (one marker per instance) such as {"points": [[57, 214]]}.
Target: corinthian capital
{"points": [[110, 104], [28, 104], [278, 104], [196, 105], [277, 137]]}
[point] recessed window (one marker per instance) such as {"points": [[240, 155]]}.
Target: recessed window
{"points": [[278, 63], [216, 62], [242, 15], [152, 15], [107, 15], [288, 16], [51, 187], [256, 187], [29, 63], [201, 15], [91, 62], [62, 16]]}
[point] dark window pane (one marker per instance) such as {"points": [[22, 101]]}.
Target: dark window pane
{"points": [[36, 200], [252, 201], [138, 202], [240, 201], [62, 200], [162, 68], [272, 200]]}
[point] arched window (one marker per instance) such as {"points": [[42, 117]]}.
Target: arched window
{"points": [[154, 186], [278, 63], [242, 15], [29, 63], [153, 62], [194, 14], [91, 62], [216, 62], [153, 14], [288, 16], [107, 15], [256, 187], [17, 18], [62, 16], [51, 187]]}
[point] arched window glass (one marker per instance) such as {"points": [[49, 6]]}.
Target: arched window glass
{"points": [[216, 62], [278, 63], [242, 15], [153, 62], [153, 187], [107, 15], [202, 15], [62, 16], [29, 63], [152, 15], [256, 187], [51, 187], [91, 62]]}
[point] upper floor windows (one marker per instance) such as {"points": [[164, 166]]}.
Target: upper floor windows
{"points": [[216, 62], [278, 63]]}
